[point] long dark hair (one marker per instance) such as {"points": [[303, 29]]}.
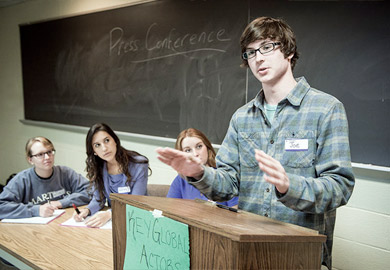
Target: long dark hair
{"points": [[95, 163]]}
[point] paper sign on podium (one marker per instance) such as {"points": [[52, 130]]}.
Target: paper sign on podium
{"points": [[154, 241]]}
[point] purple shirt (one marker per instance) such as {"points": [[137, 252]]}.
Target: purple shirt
{"points": [[117, 184], [182, 190]]}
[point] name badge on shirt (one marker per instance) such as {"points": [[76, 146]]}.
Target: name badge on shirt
{"points": [[296, 144], [125, 189]]}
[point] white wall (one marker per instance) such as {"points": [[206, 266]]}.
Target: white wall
{"points": [[362, 236], [362, 233]]}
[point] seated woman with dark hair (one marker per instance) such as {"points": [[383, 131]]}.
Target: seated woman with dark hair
{"points": [[111, 169]]}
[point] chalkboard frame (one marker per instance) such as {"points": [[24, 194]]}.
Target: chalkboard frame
{"points": [[369, 130]]}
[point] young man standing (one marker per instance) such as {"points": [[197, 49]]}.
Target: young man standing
{"points": [[286, 152]]}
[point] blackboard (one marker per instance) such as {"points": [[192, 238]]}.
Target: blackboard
{"points": [[154, 68], [123, 67]]}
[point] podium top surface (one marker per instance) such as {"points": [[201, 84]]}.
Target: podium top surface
{"points": [[241, 226]]}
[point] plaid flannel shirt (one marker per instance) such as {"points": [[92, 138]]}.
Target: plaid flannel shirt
{"points": [[321, 177]]}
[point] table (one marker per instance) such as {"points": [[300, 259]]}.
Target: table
{"points": [[222, 239], [51, 246]]}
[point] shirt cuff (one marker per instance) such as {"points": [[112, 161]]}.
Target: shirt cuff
{"points": [[290, 197], [65, 203], [35, 210], [202, 182]]}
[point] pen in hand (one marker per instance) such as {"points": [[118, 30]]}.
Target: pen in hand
{"points": [[75, 208], [227, 207]]}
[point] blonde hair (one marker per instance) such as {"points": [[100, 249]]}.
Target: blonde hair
{"points": [[45, 141], [192, 132]]}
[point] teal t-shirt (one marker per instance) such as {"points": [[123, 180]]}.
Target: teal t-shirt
{"points": [[270, 111]]}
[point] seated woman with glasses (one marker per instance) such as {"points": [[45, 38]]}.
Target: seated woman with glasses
{"points": [[111, 169], [44, 187], [194, 142]]}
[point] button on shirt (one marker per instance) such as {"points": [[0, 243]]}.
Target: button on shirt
{"points": [[321, 177]]}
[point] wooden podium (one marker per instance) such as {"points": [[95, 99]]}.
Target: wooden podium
{"points": [[222, 239]]}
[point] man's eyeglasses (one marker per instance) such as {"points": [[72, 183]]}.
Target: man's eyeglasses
{"points": [[42, 155], [263, 49]]}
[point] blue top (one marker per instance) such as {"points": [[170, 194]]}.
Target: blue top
{"points": [[117, 184], [181, 189]]}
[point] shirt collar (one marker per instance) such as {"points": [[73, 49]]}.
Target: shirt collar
{"points": [[295, 97]]}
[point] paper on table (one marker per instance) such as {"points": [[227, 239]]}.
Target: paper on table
{"points": [[73, 223], [35, 220]]}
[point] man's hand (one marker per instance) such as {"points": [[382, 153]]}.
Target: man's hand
{"points": [[184, 163], [274, 172]]}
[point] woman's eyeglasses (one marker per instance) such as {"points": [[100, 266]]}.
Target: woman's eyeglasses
{"points": [[42, 155]]}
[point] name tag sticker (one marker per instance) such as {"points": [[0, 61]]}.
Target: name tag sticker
{"points": [[125, 189], [296, 144]]}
